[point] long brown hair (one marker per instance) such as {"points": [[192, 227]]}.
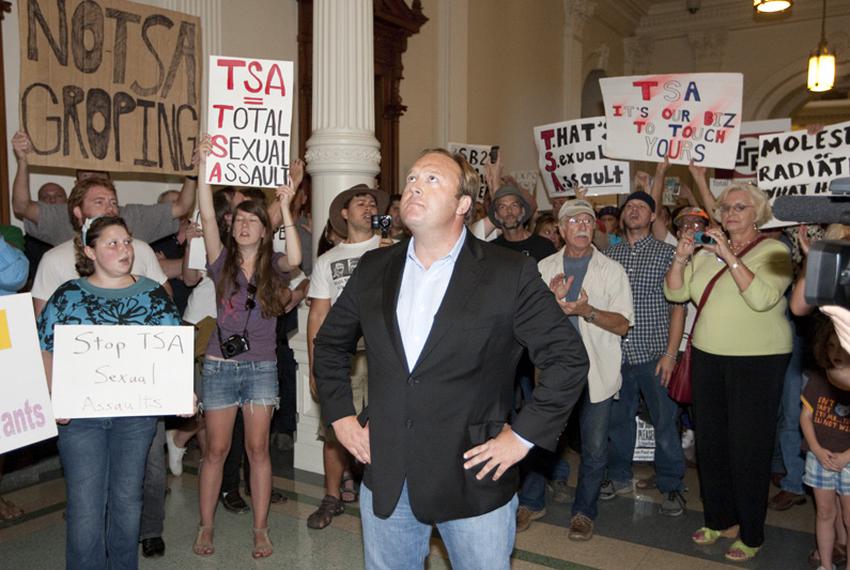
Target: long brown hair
{"points": [[272, 291]]}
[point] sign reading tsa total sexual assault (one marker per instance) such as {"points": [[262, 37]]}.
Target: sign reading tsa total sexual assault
{"points": [[570, 155], [111, 370], [798, 157], [478, 156], [109, 85], [684, 117], [249, 119], [25, 412]]}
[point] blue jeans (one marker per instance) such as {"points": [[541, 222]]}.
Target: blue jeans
{"points": [[153, 502], [401, 541], [663, 413], [104, 463], [538, 466], [594, 421], [788, 434]]}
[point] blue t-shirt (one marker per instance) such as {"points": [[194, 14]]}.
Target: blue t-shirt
{"points": [[78, 302]]}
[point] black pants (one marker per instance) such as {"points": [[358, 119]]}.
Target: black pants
{"points": [[736, 399]]}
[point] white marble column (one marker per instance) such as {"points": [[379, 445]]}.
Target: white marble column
{"points": [[576, 15], [341, 152]]}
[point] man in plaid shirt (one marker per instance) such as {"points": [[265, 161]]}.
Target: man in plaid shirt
{"points": [[649, 355]]}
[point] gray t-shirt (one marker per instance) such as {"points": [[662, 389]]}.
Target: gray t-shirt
{"points": [[575, 267], [147, 222]]}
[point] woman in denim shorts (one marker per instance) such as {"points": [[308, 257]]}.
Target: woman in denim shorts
{"points": [[240, 368]]}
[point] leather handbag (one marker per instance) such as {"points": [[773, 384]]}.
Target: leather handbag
{"points": [[679, 387]]}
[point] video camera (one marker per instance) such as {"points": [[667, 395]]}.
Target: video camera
{"points": [[828, 266]]}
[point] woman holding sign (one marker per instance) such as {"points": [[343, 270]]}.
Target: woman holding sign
{"points": [[240, 368], [104, 458], [741, 345]]}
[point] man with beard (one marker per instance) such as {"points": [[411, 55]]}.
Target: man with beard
{"points": [[510, 211], [649, 355]]}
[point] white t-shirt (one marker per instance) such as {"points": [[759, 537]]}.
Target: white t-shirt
{"points": [[334, 267], [59, 266], [201, 303]]}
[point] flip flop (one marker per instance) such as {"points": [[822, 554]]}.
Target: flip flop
{"points": [[740, 552]]}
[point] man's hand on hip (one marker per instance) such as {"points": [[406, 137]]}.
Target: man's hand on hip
{"points": [[500, 453], [353, 437]]}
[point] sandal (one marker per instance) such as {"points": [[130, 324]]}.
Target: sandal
{"points": [[740, 552], [328, 509], [347, 492], [9, 511], [264, 548], [204, 547], [706, 536]]}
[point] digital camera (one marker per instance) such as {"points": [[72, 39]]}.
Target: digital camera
{"points": [[234, 345], [383, 223]]}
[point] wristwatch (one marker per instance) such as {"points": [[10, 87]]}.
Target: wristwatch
{"points": [[591, 317]]}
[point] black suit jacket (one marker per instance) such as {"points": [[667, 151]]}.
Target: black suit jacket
{"points": [[461, 391]]}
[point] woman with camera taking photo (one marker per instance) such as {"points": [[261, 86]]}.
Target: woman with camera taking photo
{"points": [[240, 368], [740, 350]]}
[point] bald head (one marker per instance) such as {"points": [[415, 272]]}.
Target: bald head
{"points": [[52, 193]]}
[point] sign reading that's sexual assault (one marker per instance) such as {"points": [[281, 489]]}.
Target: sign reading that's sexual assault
{"points": [[109, 85], [683, 117], [113, 370], [800, 157], [249, 120], [25, 412], [570, 155]]}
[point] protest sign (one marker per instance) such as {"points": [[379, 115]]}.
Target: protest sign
{"points": [[109, 85], [746, 159], [25, 412], [644, 441], [684, 117], [249, 119], [570, 155], [795, 158], [478, 156], [111, 370]]}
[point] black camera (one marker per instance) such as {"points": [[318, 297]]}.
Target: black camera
{"points": [[383, 223], [235, 345], [828, 273]]}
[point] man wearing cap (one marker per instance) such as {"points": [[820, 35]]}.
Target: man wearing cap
{"points": [[649, 355], [351, 217], [593, 291], [510, 211], [445, 317]]}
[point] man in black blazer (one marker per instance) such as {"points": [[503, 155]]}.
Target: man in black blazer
{"points": [[445, 318]]}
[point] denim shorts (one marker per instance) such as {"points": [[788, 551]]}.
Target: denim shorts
{"points": [[819, 477], [228, 383]]}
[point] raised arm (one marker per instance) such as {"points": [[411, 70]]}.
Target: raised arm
{"points": [[293, 241], [701, 180], [24, 207], [659, 228], [186, 200], [191, 277], [212, 239]]}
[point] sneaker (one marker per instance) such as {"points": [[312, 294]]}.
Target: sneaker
{"points": [[688, 438], [561, 492], [175, 454], [784, 500], [673, 504], [524, 516], [233, 502], [610, 489], [581, 528], [646, 484]]}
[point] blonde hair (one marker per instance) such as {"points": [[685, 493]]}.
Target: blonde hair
{"points": [[837, 231], [759, 198]]}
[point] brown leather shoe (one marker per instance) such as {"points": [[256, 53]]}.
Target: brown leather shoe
{"points": [[784, 500], [581, 528], [524, 516]]}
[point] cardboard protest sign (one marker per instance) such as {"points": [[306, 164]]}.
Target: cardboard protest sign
{"points": [[111, 370], [25, 412], [249, 120], [478, 156], [570, 156], [110, 85], [684, 117], [795, 158]]}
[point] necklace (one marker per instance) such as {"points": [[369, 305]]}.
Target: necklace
{"points": [[737, 247]]}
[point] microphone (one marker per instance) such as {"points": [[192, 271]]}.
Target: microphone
{"points": [[813, 209]]}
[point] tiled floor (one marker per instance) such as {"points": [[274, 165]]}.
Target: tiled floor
{"points": [[629, 533]]}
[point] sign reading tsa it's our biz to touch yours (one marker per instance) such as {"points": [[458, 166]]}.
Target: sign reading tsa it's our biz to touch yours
{"points": [[26, 416], [683, 117], [111, 370], [249, 120]]}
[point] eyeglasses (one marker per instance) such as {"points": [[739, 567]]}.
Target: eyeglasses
{"points": [[249, 302], [580, 221], [739, 207]]}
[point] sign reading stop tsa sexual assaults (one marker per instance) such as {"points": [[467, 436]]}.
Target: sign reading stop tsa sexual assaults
{"points": [[682, 117], [570, 154], [249, 120]]}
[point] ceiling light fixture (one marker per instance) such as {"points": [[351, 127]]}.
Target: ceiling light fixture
{"points": [[771, 6], [821, 63]]}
